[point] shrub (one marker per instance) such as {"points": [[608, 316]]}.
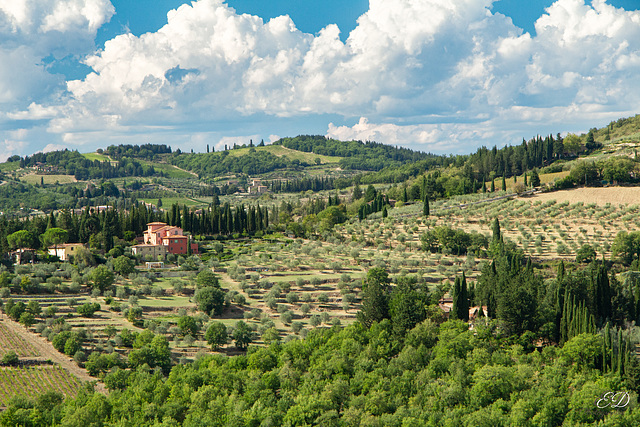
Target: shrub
{"points": [[315, 320], [206, 278], [216, 334], [297, 326], [188, 325], [270, 335], [27, 319], [123, 265], [292, 298], [239, 299], [88, 309], [10, 359], [178, 286], [210, 300], [585, 254], [305, 308], [287, 317]]}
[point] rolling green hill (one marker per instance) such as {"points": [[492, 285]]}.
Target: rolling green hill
{"points": [[281, 151]]}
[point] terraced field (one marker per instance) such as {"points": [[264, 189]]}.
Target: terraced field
{"points": [[10, 341], [31, 381]]}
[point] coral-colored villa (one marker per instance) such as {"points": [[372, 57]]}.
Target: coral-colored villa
{"points": [[172, 238]]}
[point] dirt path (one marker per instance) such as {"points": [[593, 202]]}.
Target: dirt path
{"points": [[47, 351]]}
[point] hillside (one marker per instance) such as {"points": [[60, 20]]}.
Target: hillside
{"points": [[620, 130], [450, 292], [148, 172]]}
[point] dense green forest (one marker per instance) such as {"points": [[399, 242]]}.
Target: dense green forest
{"points": [[214, 164], [144, 151], [370, 156], [439, 374]]}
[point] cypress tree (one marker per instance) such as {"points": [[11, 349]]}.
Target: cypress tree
{"points": [[266, 217], [607, 348], [51, 223], [564, 319], [495, 228], [375, 297], [460, 307], [464, 303], [425, 206], [535, 178], [504, 183], [620, 351], [493, 186], [455, 308], [602, 293]]}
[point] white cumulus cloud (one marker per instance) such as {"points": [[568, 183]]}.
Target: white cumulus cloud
{"points": [[436, 74], [30, 32]]}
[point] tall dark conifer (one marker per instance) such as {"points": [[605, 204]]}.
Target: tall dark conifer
{"points": [[495, 228], [425, 206]]}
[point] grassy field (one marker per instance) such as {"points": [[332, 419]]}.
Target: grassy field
{"points": [[600, 196], [170, 170], [34, 179], [545, 178], [168, 201], [96, 156], [280, 151]]}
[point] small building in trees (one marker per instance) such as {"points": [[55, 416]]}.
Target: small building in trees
{"points": [[23, 255], [65, 251], [156, 264], [446, 305], [256, 187]]}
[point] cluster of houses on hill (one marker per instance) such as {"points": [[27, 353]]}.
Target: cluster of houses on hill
{"points": [[160, 239], [256, 187]]}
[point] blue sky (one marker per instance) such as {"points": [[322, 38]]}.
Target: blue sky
{"points": [[434, 75]]}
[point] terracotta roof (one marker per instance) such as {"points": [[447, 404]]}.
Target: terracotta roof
{"points": [[66, 245], [166, 228], [157, 223]]}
